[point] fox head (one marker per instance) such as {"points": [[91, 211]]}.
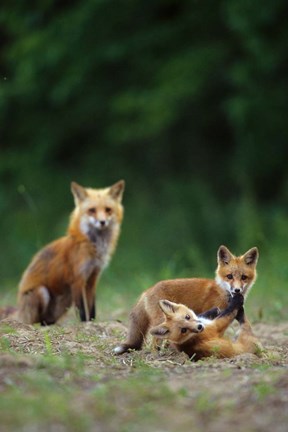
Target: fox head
{"points": [[97, 209], [236, 274], [180, 324]]}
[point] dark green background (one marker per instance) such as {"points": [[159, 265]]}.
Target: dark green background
{"points": [[185, 100]]}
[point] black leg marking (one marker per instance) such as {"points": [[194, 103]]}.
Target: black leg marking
{"points": [[236, 302], [210, 314], [240, 317], [82, 313], [93, 312]]}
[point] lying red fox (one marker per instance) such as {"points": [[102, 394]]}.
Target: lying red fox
{"points": [[233, 275], [201, 337]]}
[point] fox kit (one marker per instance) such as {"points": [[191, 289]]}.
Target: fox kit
{"points": [[66, 270], [201, 337], [233, 275]]}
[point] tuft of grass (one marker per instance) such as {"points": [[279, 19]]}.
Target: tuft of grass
{"points": [[48, 344], [263, 389], [205, 404], [4, 344]]}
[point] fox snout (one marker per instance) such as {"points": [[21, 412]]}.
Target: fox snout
{"points": [[99, 224], [236, 290], [198, 328], [102, 223]]}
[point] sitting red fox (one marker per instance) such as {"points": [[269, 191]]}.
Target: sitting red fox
{"points": [[233, 275], [201, 337], [66, 270]]}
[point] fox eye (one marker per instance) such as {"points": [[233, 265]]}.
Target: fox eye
{"points": [[229, 276], [183, 330], [92, 210], [108, 210], [244, 277], [187, 317]]}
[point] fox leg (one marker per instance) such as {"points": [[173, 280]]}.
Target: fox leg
{"points": [[83, 294], [218, 347], [81, 305], [227, 315], [87, 310], [79, 298], [246, 336], [138, 326], [33, 304], [210, 314], [57, 307], [246, 340], [92, 315], [83, 297], [91, 296]]}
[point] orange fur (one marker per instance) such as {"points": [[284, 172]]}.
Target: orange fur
{"points": [[199, 337], [66, 271], [198, 294]]}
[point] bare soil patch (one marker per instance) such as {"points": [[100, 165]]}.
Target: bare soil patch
{"points": [[246, 393]]}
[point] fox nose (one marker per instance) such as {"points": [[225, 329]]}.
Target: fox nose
{"points": [[102, 222], [237, 290], [200, 327]]}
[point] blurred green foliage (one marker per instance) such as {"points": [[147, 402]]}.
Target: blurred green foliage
{"points": [[186, 100]]}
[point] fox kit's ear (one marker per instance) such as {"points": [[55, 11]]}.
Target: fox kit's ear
{"points": [[169, 308], [160, 331], [251, 256], [224, 256], [79, 192]]}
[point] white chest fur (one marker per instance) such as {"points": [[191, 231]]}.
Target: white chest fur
{"points": [[101, 241]]}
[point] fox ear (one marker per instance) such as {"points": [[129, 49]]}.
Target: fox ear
{"points": [[160, 331], [251, 256], [79, 192], [116, 190], [169, 308], [224, 256]]}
